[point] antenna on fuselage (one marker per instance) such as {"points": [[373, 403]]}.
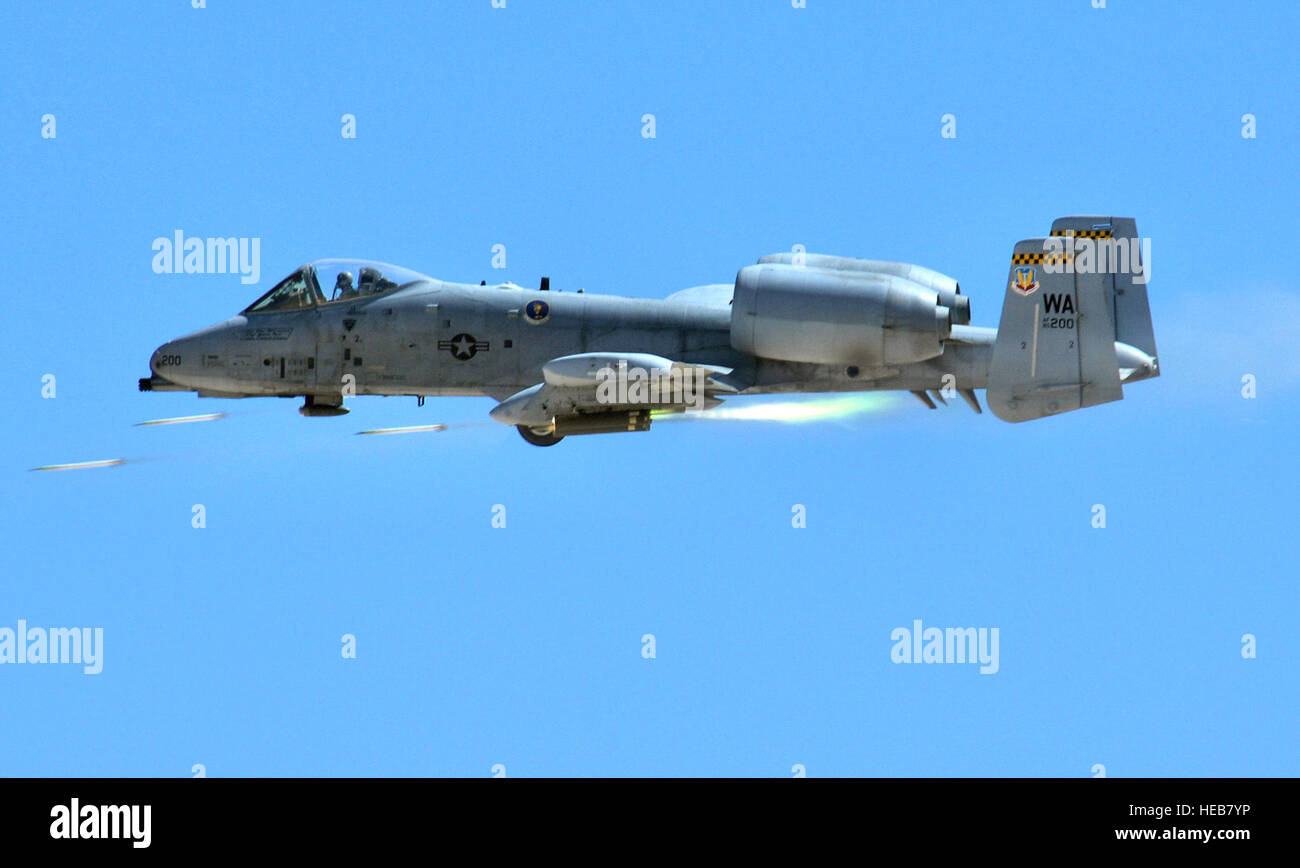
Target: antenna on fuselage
{"points": [[546, 284]]}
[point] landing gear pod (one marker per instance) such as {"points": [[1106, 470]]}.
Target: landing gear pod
{"points": [[603, 423], [538, 437], [311, 408], [586, 423]]}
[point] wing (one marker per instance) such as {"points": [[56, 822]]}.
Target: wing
{"points": [[614, 384], [713, 295]]}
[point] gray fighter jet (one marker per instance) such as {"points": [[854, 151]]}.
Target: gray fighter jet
{"points": [[1075, 327]]}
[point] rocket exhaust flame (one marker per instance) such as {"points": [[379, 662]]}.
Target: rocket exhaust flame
{"points": [[177, 420], [82, 465], [409, 429], [796, 411]]}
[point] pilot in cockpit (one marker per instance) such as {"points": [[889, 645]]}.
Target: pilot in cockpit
{"points": [[343, 287], [369, 277]]}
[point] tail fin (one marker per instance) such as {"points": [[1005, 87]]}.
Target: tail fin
{"points": [[1075, 321]]}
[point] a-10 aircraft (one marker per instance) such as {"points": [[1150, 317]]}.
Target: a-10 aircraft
{"points": [[1075, 327]]}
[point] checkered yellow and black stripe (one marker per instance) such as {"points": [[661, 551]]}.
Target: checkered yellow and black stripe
{"points": [[1041, 258], [1082, 233]]}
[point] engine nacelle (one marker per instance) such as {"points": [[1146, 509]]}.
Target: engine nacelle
{"points": [[948, 289], [835, 317]]}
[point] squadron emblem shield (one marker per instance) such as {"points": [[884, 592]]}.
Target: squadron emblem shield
{"points": [[1024, 282], [537, 312]]}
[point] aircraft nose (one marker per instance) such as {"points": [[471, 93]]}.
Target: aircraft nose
{"points": [[178, 358], [185, 361], [164, 357]]}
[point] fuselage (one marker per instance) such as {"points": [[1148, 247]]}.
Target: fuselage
{"points": [[430, 337]]}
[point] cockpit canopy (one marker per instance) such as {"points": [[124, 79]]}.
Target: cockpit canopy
{"points": [[327, 281]]}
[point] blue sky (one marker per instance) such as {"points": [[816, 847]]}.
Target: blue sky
{"points": [[522, 646]]}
